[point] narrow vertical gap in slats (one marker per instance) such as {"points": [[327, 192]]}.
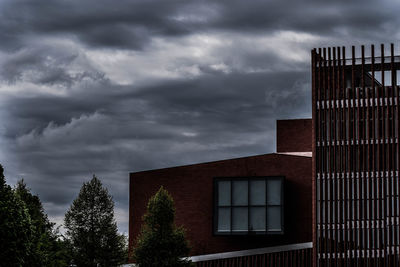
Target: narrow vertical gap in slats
{"points": [[285, 259], [293, 256]]}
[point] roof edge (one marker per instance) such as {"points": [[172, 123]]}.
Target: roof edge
{"points": [[220, 161]]}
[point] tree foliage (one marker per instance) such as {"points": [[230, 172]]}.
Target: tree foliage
{"points": [[16, 229], [92, 229], [48, 248], [27, 237], [161, 243]]}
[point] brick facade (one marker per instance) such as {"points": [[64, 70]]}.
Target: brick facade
{"points": [[191, 187], [293, 135]]}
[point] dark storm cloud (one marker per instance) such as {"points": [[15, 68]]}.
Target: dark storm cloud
{"points": [[227, 102], [131, 24], [100, 23], [307, 16], [177, 123]]}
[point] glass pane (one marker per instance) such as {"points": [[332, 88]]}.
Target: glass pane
{"points": [[239, 219], [274, 192], [257, 219], [224, 193], [239, 193], [257, 192], [274, 219], [224, 219]]}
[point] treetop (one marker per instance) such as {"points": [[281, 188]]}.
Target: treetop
{"points": [[161, 210]]}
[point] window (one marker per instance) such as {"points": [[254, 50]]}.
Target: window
{"points": [[248, 205]]}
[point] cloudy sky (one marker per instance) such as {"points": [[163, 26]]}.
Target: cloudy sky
{"points": [[111, 87]]}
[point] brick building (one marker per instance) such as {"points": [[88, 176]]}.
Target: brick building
{"points": [[238, 204], [262, 210]]}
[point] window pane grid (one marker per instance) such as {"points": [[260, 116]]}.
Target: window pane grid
{"points": [[256, 205]]}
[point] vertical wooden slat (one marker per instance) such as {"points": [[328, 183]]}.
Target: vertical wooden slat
{"points": [[334, 170], [369, 128], [383, 155], [393, 155], [370, 179], [315, 177], [346, 167], [339, 90], [390, 154], [397, 174], [330, 202], [353, 210], [363, 181], [325, 173], [320, 154], [379, 181], [396, 157], [375, 111], [358, 177]]}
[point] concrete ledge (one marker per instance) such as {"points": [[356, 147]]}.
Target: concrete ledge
{"points": [[251, 252]]}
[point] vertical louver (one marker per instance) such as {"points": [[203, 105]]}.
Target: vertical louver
{"points": [[355, 157]]}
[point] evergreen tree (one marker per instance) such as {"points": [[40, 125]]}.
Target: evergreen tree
{"points": [[48, 249], [16, 230], [161, 243], [92, 229]]}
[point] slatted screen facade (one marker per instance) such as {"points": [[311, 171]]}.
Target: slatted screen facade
{"points": [[355, 156]]}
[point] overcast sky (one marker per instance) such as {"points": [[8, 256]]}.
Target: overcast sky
{"points": [[111, 87]]}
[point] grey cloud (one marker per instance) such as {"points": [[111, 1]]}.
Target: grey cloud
{"points": [[132, 24], [125, 25], [210, 107], [46, 64], [306, 16]]}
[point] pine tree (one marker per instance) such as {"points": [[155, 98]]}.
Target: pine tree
{"points": [[16, 230], [161, 243], [92, 229]]}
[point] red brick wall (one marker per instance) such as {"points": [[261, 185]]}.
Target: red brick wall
{"points": [[192, 189], [294, 135]]}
